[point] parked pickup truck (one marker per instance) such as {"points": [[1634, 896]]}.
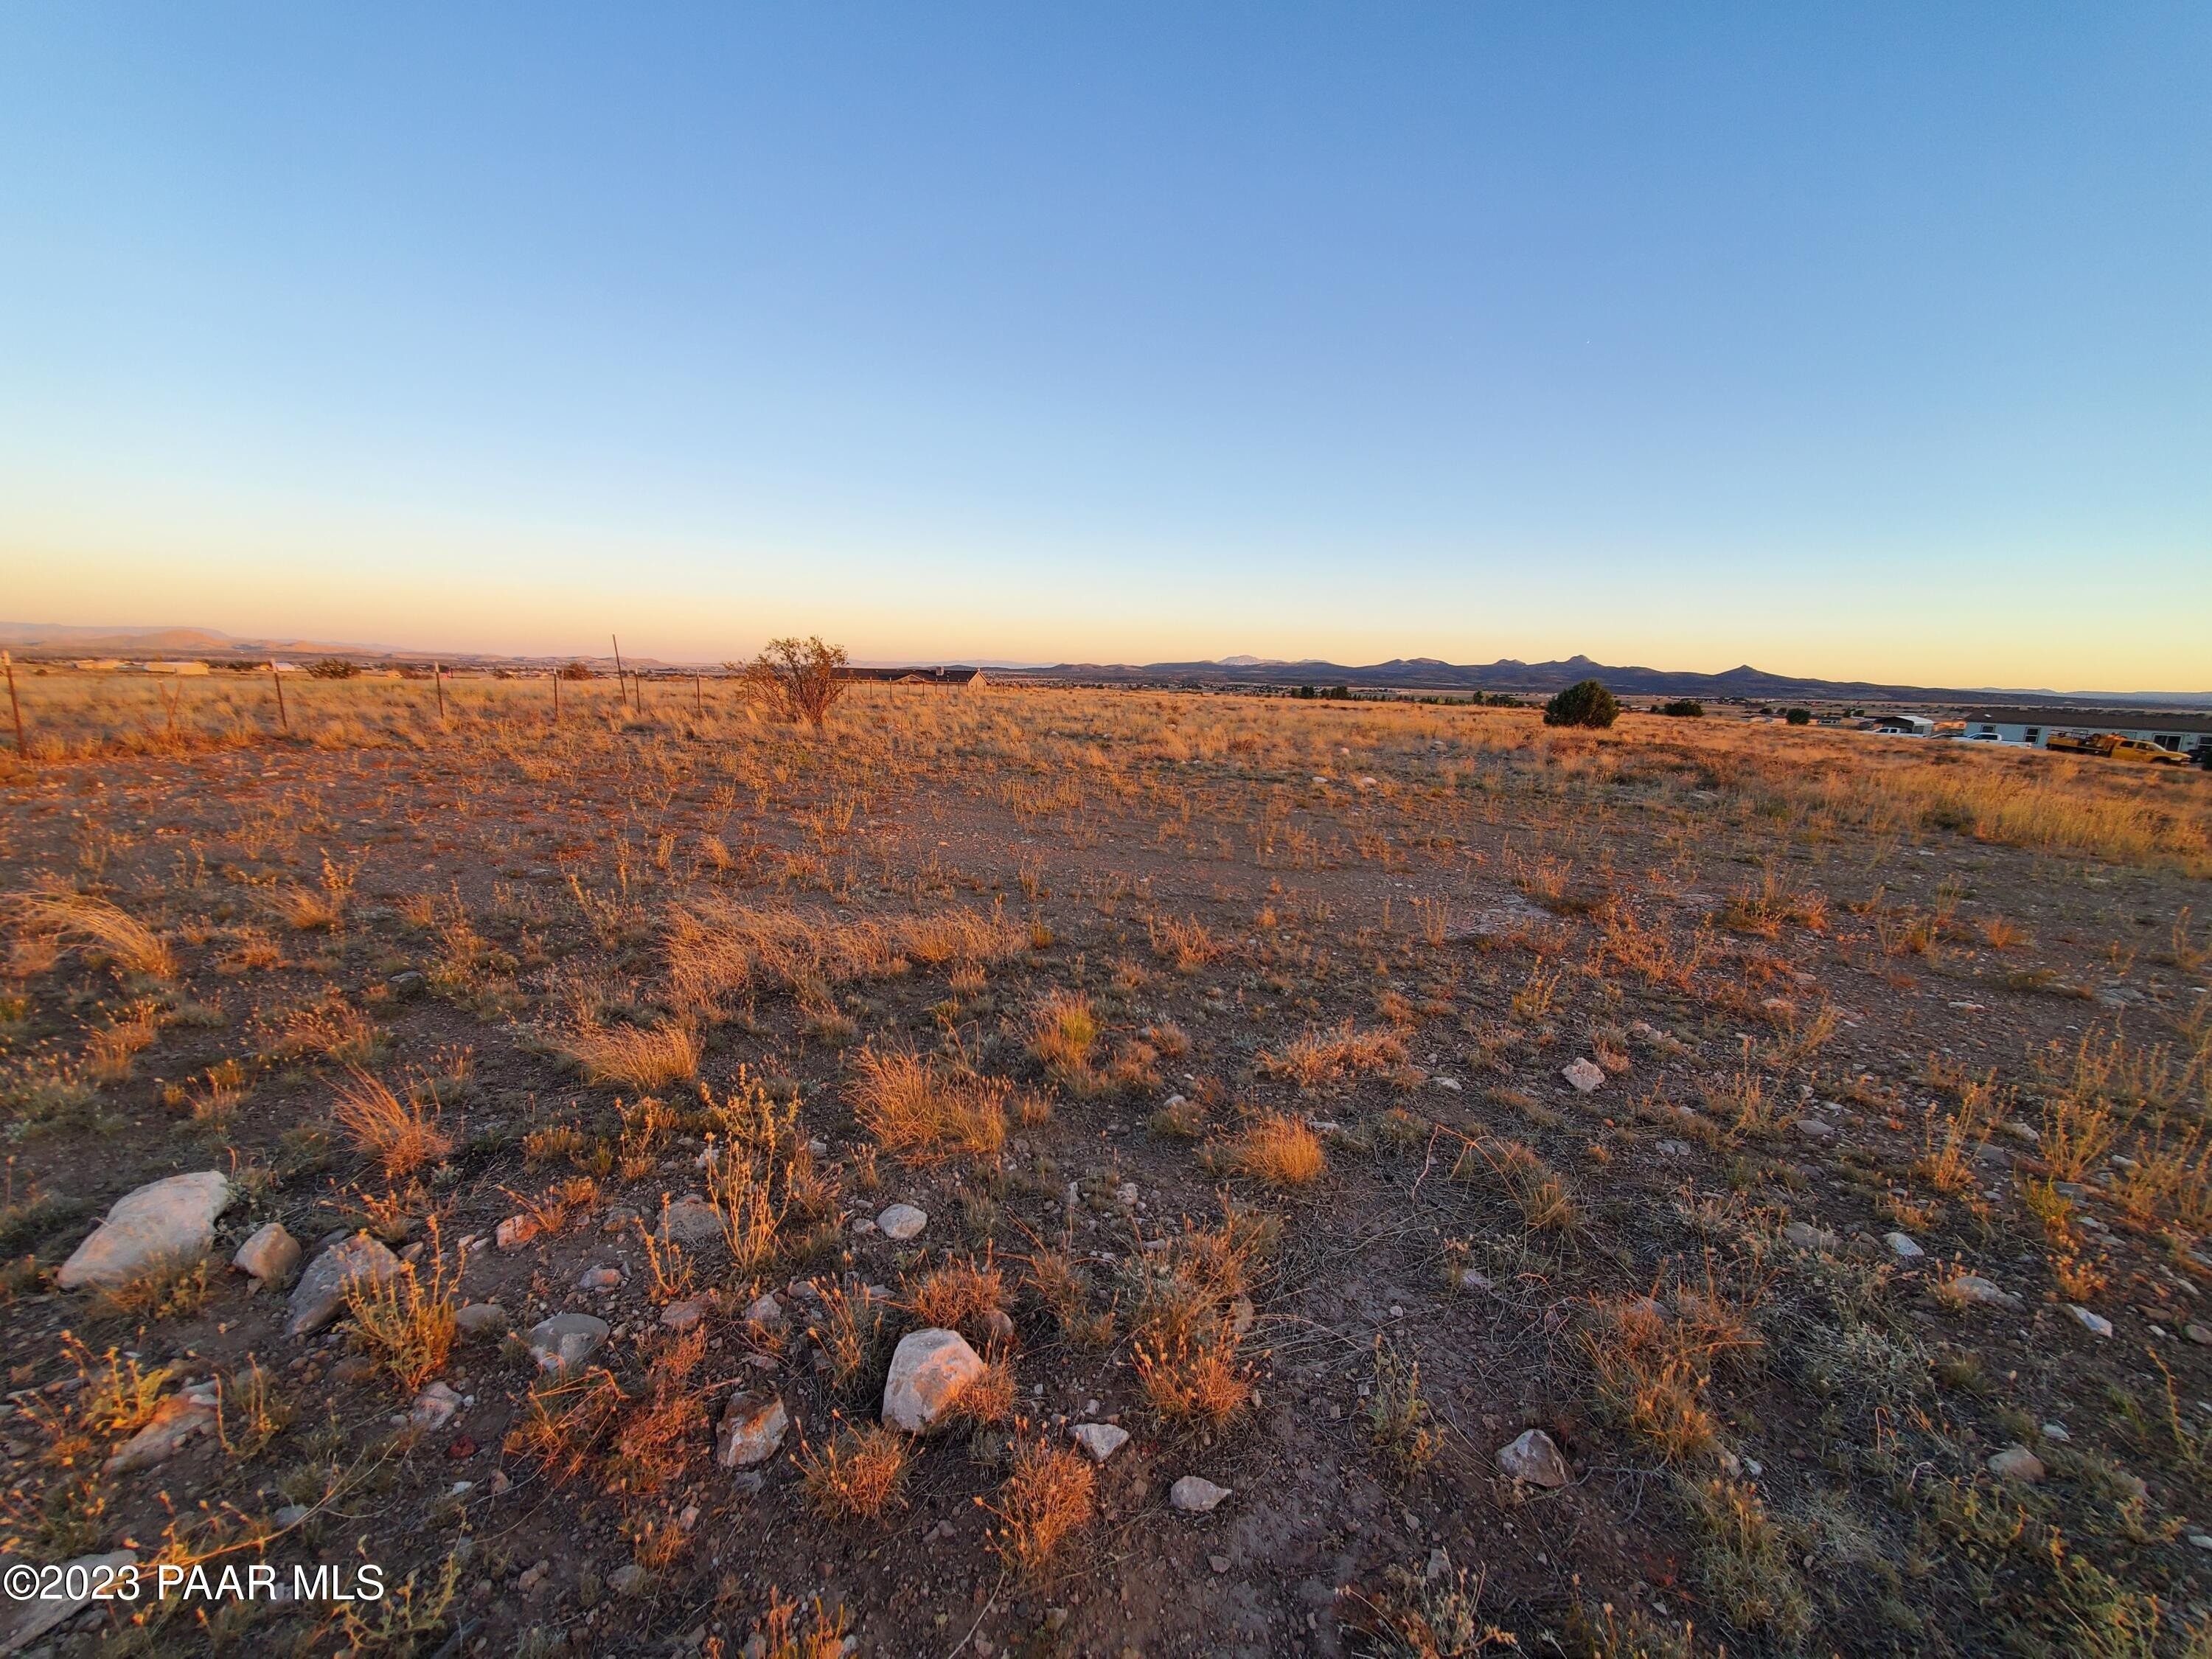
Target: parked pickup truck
{"points": [[2113, 746]]}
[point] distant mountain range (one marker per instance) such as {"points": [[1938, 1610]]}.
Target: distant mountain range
{"points": [[1508, 675]]}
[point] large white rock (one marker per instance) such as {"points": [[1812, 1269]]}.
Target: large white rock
{"points": [[166, 1223], [567, 1340], [1101, 1440], [902, 1222], [175, 1421], [1195, 1495], [929, 1370]]}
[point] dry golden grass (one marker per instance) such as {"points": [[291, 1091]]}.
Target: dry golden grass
{"points": [[717, 949], [406, 1321], [1318, 1057], [642, 1057], [1046, 1498], [403, 1135], [97, 925], [567, 1418], [662, 1434], [1280, 1152], [1193, 1374], [1064, 1033], [859, 1476], [957, 1295], [783, 1633], [920, 1110]]}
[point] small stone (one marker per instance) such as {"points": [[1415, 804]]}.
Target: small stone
{"points": [[1981, 1292], [1902, 1247], [2057, 1431], [1470, 1280], [164, 1224], [998, 1325], [2096, 1324], [290, 1515], [1451, 1083], [321, 1292], [1101, 1440], [272, 1255], [2017, 1463], [2202, 1540], [691, 1221], [2200, 1334], [902, 1222], [682, 1315], [929, 1370], [752, 1428], [628, 1579], [1806, 1237], [515, 1233], [1195, 1495], [600, 1278], [566, 1341], [1815, 1128], [433, 1408], [408, 984], [484, 1319], [766, 1313], [1583, 1074], [1535, 1458], [175, 1420], [1219, 1562]]}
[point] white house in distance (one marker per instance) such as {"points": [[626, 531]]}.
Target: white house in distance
{"points": [[2182, 733]]}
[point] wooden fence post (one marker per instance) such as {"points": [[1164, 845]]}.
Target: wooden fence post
{"points": [[283, 718], [438, 678], [556, 697], [698, 694], [15, 709]]}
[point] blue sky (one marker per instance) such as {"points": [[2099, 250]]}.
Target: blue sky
{"points": [[1848, 340]]}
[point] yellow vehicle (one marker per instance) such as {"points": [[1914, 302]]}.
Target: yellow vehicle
{"points": [[2113, 746]]}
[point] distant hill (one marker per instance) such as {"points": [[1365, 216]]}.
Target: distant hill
{"points": [[1510, 675]]}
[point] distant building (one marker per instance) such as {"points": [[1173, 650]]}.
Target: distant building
{"points": [[98, 664], [2183, 734], [976, 681], [1910, 725], [176, 668]]}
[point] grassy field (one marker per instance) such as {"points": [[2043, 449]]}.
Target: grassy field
{"points": [[1804, 1132]]}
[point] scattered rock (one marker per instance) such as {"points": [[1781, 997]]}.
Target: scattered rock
{"points": [[682, 1315], [322, 1289], [628, 1579], [484, 1319], [1534, 1458], [2017, 1463], [408, 984], [998, 1325], [566, 1341], [515, 1233], [600, 1278], [1585, 1075], [1902, 1247], [2096, 1324], [433, 1408], [1471, 1279], [170, 1222], [753, 1426], [929, 1369], [175, 1420], [23, 1622], [1815, 1128], [272, 1255], [1101, 1440], [1973, 1289], [691, 1221], [1807, 1237], [1195, 1495], [902, 1222], [766, 1314], [1219, 1562], [2200, 1334]]}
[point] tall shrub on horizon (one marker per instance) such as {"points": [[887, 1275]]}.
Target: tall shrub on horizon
{"points": [[1586, 702]]}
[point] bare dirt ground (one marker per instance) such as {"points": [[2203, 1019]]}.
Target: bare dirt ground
{"points": [[1225, 1044]]}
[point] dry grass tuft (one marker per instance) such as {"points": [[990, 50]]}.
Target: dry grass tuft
{"points": [[860, 1475], [957, 1295], [1318, 1057], [406, 1321], [403, 1135], [1280, 1152], [643, 1057], [1048, 1496], [920, 1110], [99, 926], [568, 1417]]}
